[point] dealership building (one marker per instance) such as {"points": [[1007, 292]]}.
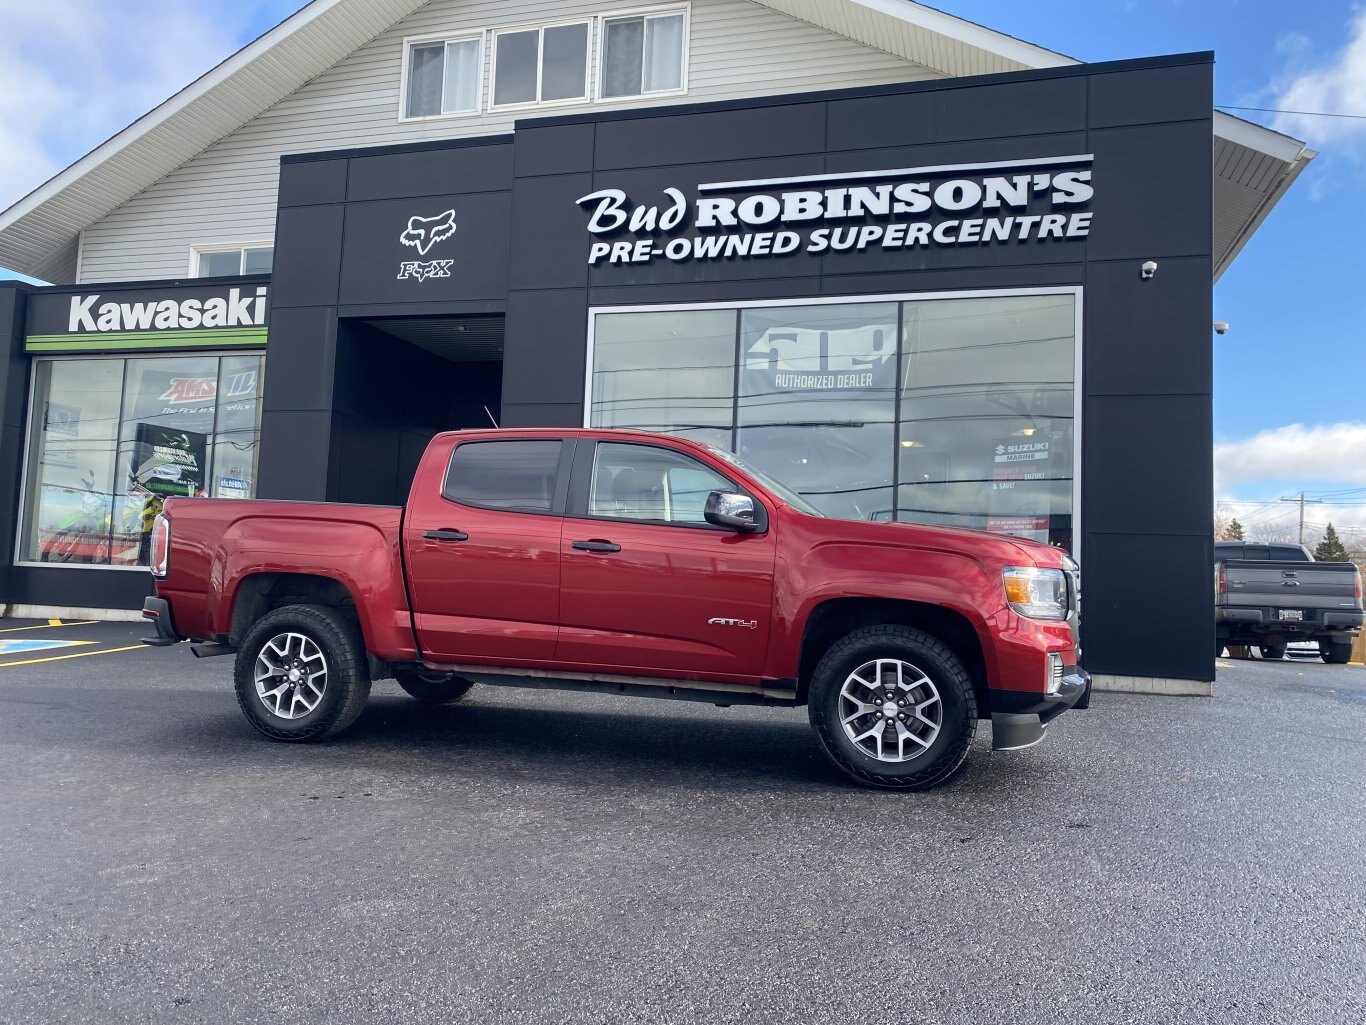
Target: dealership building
{"points": [[917, 269]]}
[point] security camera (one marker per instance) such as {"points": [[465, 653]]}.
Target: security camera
{"points": [[1149, 269], [1221, 327]]}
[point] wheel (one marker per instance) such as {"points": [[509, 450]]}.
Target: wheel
{"points": [[1218, 648], [432, 686], [301, 673], [1274, 652], [893, 707], [1336, 653]]}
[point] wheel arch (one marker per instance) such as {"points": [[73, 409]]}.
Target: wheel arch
{"points": [[836, 618], [259, 593]]}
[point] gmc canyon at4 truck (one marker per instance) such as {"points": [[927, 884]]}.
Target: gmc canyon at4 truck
{"points": [[629, 563]]}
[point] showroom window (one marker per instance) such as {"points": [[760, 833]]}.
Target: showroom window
{"points": [[540, 65], [231, 261], [956, 410], [111, 438], [442, 77], [644, 54]]}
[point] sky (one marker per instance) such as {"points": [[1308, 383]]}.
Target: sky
{"points": [[1290, 374]]}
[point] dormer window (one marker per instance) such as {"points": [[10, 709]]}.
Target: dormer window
{"points": [[540, 65], [643, 54], [443, 77]]}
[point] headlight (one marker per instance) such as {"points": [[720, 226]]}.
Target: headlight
{"points": [[1036, 593]]}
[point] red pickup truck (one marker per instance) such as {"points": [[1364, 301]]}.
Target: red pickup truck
{"points": [[629, 563]]}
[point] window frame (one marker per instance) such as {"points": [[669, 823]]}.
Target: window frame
{"points": [[227, 247], [636, 12], [480, 35], [581, 491], [494, 105], [28, 452], [1076, 292], [558, 494]]}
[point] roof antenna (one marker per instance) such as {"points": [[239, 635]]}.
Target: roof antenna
{"points": [[490, 416]]}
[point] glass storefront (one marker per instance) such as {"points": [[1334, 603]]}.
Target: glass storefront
{"points": [[111, 438], [954, 410]]}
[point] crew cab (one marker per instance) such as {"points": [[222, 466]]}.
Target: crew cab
{"points": [[1267, 595], [630, 563]]}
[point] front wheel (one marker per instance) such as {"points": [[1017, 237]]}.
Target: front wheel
{"points": [[893, 708], [301, 673], [1274, 652], [1336, 653], [432, 686]]}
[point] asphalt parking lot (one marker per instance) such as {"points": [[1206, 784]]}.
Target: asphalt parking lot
{"points": [[551, 857]]}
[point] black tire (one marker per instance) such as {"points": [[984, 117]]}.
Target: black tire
{"points": [[1336, 653], [1273, 652], [946, 751], [1218, 649], [432, 686], [345, 685]]}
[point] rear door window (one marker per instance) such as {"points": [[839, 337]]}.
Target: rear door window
{"points": [[514, 476]]}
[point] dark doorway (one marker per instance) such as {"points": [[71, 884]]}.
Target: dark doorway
{"points": [[401, 380]]}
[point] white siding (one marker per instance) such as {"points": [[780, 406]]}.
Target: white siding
{"points": [[227, 193]]}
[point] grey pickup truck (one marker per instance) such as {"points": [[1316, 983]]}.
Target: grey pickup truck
{"points": [[1270, 594]]}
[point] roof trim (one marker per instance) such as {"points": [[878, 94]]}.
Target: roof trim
{"points": [[165, 110], [970, 33]]}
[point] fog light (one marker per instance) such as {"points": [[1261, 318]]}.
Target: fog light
{"points": [[1054, 672]]}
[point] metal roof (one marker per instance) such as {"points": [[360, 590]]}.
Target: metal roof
{"points": [[1254, 166]]}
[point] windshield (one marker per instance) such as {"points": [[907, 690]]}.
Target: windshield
{"points": [[780, 490]]}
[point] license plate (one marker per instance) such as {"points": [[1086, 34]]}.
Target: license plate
{"points": [[1292, 615]]}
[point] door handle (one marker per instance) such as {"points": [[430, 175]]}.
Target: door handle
{"points": [[445, 535], [595, 546]]}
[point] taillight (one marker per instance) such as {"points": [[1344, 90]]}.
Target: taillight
{"points": [[1358, 575], [161, 545], [1221, 581]]}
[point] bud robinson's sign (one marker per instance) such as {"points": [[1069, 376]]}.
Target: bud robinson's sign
{"points": [[904, 208]]}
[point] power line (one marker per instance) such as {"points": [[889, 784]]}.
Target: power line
{"points": [[1299, 113]]}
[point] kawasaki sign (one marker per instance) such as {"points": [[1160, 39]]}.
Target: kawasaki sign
{"points": [[171, 317]]}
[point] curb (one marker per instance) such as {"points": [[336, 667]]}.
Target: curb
{"points": [[1153, 685]]}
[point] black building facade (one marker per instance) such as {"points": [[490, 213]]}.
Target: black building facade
{"points": [[977, 301]]}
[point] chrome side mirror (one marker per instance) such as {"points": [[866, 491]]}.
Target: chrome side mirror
{"points": [[727, 509]]}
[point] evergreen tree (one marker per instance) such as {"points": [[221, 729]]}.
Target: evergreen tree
{"points": [[1232, 532], [1330, 549]]}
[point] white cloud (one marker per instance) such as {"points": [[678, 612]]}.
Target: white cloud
{"points": [[1335, 86], [75, 72], [1327, 452]]}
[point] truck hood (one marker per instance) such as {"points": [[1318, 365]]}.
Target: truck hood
{"points": [[960, 540]]}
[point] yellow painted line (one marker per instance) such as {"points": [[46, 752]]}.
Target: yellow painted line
{"points": [[50, 624], [79, 654]]}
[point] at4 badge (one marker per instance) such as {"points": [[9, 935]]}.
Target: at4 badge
{"points": [[422, 233]]}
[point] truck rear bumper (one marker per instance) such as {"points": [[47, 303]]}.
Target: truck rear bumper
{"points": [[1019, 718], [157, 611]]}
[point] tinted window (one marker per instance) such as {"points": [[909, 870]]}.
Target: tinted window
{"points": [[641, 482], [518, 476]]}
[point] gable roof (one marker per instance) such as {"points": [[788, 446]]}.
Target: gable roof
{"points": [[1254, 166]]}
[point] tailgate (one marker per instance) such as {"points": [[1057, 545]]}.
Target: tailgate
{"points": [[1297, 585]]}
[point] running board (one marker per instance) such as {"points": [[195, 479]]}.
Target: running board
{"points": [[635, 686]]}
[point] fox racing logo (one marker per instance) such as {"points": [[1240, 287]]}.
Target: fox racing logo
{"points": [[425, 232], [423, 271]]}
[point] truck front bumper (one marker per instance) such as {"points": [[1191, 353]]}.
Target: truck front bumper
{"points": [[1019, 718], [157, 611]]}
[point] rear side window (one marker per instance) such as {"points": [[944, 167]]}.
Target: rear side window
{"points": [[517, 476]]}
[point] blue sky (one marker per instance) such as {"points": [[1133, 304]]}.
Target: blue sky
{"points": [[1289, 407]]}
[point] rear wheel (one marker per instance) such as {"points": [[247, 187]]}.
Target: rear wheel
{"points": [[1274, 652], [1336, 653], [301, 673], [894, 708], [432, 686]]}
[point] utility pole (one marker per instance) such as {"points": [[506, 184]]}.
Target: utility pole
{"points": [[1302, 500]]}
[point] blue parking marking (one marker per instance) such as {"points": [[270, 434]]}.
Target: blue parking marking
{"points": [[17, 647]]}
